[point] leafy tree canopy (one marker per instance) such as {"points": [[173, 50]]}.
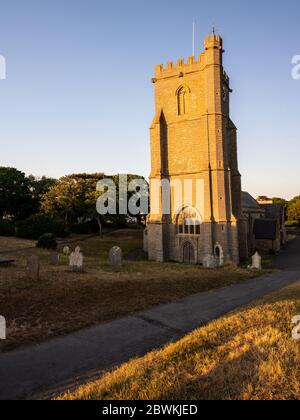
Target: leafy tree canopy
{"points": [[281, 201], [16, 199], [74, 197], [39, 187], [294, 210]]}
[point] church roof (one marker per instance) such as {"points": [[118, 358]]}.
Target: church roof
{"points": [[232, 125], [248, 202]]}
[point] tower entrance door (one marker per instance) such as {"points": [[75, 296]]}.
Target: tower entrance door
{"points": [[188, 253]]}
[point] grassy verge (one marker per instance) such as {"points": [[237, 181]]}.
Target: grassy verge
{"points": [[10, 243], [249, 354], [62, 302]]}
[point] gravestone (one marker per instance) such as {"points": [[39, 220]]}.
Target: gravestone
{"points": [[76, 260], [33, 268], [256, 262], [209, 261], [115, 257], [54, 258], [2, 328], [66, 251]]}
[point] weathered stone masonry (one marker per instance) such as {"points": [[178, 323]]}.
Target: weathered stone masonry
{"points": [[193, 137]]}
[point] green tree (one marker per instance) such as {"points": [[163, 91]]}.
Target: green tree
{"points": [[294, 210], [294, 200], [65, 200], [39, 187], [74, 197], [280, 201], [16, 199], [91, 195]]}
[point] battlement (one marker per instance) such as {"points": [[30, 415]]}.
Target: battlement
{"points": [[213, 41], [183, 66]]}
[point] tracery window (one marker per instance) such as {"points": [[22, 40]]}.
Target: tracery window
{"points": [[189, 222]]}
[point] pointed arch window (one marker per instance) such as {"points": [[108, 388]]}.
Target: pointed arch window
{"points": [[182, 95], [181, 98], [189, 222]]}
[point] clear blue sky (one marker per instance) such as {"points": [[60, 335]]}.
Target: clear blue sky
{"points": [[78, 95]]}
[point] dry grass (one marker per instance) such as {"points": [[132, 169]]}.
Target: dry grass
{"points": [[11, 244], [248, 354], [62, 302]]}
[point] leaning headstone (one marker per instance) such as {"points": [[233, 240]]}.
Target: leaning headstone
{"points": [[66, 251], [115, 257], [33, 268], [54, 258], [76, 260], [256, 262]]}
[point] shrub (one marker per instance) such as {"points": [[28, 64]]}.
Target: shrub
{"points": [[59, 228], [6, 228], [39, 224], [47, 241], [292, 223], [81, 228]]}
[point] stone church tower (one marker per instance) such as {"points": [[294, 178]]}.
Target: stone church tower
{"points": [[194, 143]]}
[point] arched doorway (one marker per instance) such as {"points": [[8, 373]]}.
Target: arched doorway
{"points": [[219, 254], [188, 253]]}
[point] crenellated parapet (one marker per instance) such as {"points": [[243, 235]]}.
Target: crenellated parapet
{"points": [[192, 64], [182, 66], [213, 41]]}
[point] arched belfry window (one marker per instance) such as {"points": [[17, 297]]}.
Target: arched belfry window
{"points": [[182, 96], [189, 222]]}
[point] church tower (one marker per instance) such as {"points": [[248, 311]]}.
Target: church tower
{"points": [[194, 144]]}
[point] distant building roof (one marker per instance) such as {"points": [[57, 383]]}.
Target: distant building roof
{"points": [[264, 200], [265, 229], [248, 202]]}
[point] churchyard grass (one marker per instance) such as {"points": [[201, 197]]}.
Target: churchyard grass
{"points": [[246, 355], [8, 244], [61, 302]]}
